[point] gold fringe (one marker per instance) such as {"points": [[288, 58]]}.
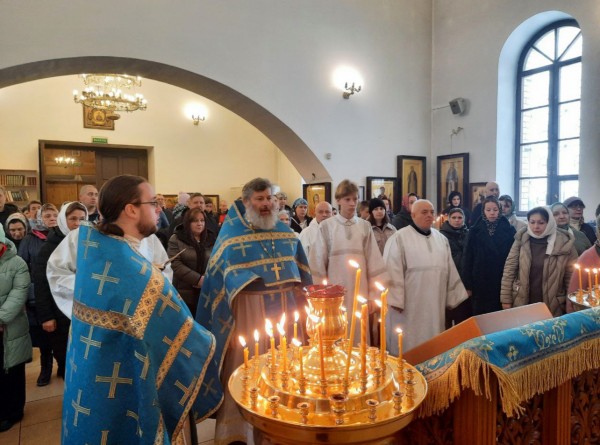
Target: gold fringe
{"points": [[470, 371]]}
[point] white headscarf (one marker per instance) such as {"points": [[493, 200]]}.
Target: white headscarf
{"points": [[550, 231], [62, 217]]}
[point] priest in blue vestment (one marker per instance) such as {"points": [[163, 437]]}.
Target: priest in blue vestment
{"points": [[137, 363], [257, 270]]}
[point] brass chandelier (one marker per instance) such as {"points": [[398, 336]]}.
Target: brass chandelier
{"points": [[109, 92]]}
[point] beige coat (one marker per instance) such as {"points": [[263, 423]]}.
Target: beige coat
{"points": [[558, 268]]}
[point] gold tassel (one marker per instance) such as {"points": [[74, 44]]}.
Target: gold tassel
{"points": [[470, 371]]}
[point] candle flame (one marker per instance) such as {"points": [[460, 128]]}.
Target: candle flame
{"points": [[595, 270], [379, 286], [256, 337], [325, 282], [378, 303], [361, 299], [354, 264], [280, 329], [343, 308], [358, 314], [296, 342], [587, 270], [242, 341], [282, 321], [269, 327], [577, 266], [296, 316], [399, 330]]}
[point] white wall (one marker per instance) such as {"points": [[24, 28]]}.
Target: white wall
{"points": [[468, 39], [217, 156], [279, 54]]}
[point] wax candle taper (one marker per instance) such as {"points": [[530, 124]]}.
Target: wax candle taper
{"points": [[595, 276], [269, 330], [383, 341], [246, 353], [399, 331], [578, 267], [283, 346], [256, 338], [589, 273], [364, 318]]}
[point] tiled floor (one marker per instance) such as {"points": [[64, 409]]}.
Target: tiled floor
{"points": [[42, 421]]}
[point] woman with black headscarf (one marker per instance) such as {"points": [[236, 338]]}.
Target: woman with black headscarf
{"points": [[488, 245], [455, 200]]}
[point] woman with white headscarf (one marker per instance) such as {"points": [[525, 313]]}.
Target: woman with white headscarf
{"points": [[539, 265], [54, 323]]}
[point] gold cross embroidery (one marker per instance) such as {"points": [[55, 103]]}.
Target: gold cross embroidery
{"points": [[209, 387], [137, 421], [184, 351], [79, 408], [232, 270], [243, 248], [187, 391], [276, 269], [126, 306], [104, 278], [291, 242], [87, 243], [146, 361], [207, 298], [114, 380], [166, 301], [226, 324], [219, 265], [89, 342], [73, 366], [144, 265]]}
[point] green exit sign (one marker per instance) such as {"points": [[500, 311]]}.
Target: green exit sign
{"points": [[99, 140]]}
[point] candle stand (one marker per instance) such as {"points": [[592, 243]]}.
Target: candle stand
{"points": [[296, 405]]}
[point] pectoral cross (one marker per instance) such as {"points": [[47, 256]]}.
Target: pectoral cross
{"points": [[276, 269]]}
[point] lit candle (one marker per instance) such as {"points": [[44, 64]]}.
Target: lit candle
{"points": [[399, 331], [355, 298], [382, 341], [282, 330], [362, 300], [269, 330], [321, 352], [364, 318], [300, 357], [256, 338], [243, 343], [283, 345], [589, 273], [578, 267], [595, 276], [296, 318]]}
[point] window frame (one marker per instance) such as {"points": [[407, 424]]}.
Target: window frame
{"points": [[552, 176]]}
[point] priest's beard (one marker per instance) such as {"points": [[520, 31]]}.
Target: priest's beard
{"points": [[259, 221], [146, 228]]}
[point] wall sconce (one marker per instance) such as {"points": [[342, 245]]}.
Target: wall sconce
{"points": [[350, 90], [197, 118]]}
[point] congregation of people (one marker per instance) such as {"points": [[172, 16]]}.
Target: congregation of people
{"points": [[231, 267]]}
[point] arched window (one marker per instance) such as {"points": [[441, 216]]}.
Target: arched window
{"points": [[548, 116]]}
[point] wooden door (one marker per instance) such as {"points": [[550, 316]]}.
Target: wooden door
{"points": [[113, 163], [59, 192]]}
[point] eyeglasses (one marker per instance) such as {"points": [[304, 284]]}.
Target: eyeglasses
{"points": [[154, 204]]}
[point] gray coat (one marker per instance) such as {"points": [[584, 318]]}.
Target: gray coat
{"points": [[558, 268], [14, 284]]}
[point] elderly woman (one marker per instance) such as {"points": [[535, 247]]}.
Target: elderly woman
{"points": [[562, 218], [539, 265], [15, 343], [190, 247], [300, 219], [54, 323], [489, 242]]}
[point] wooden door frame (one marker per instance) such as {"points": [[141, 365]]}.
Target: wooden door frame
{"points": [[44, 144]]}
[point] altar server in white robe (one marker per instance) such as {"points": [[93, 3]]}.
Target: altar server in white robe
{"points": [[424, 280], [345, 237], [61, 266]]}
